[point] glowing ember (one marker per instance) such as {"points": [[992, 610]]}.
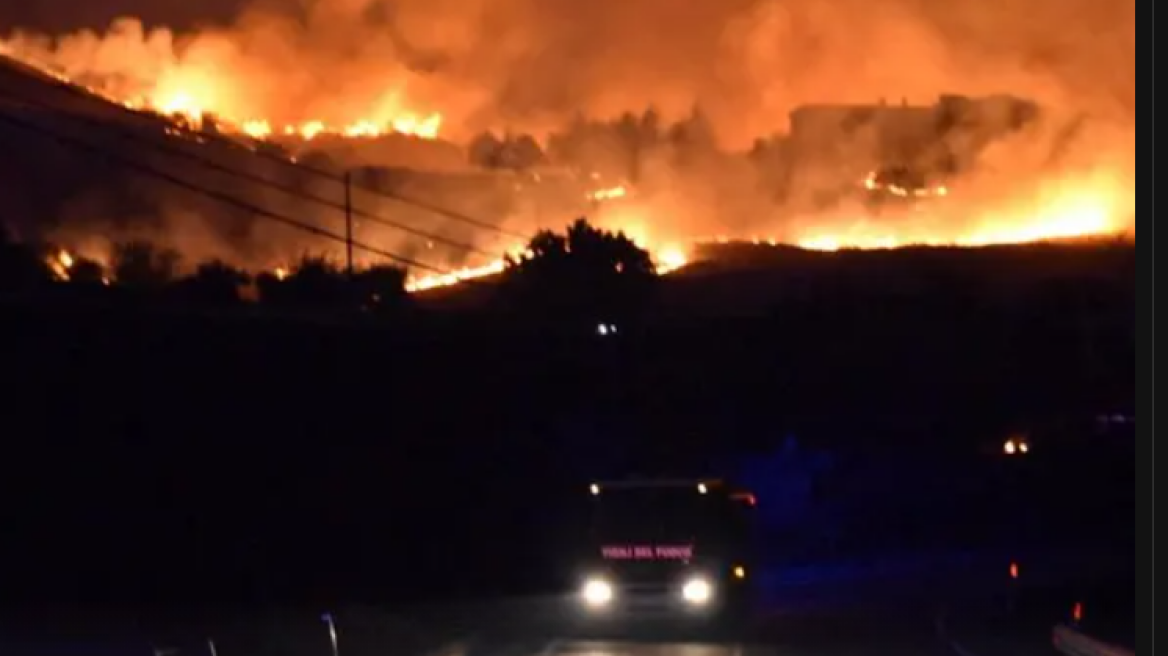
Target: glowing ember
{"points": [[872, 183], [612, 193], [61, 265], [670, 259], [257, 129]]}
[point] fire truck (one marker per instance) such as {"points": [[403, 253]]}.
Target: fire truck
{"points": [[673, 545]]}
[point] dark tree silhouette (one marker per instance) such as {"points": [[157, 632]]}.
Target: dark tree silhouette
{"points": [[141, 265], [591, 146], [380, 289], [315, 283], [271, 290], [87, 273], [213, 283], [651, 127], [320, 161], [630, 130], [20, 266], [584, 274], [484, 150], [522, 152], [693, 139], [513, 152]]}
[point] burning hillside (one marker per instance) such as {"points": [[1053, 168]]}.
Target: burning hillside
{"points": [[141, 70], [756, 163]]}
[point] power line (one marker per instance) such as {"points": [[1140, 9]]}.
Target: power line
{"points": [[251, 177], [209, 193], [446, 212]]}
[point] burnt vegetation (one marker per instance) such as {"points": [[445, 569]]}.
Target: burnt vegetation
{"points": [[583, 272]]}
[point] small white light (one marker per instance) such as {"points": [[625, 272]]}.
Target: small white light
{"points": [[595, 489], [697, 592], [597, 593], [703, 489]]}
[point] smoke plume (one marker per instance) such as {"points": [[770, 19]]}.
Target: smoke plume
{"points": [[528, 63], [532, 66]]}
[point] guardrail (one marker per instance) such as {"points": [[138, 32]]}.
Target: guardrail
{"points": [[1073, 643]]}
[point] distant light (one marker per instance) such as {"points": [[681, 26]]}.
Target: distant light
{"points": [[1015, 447], [740, 573], [595, 489], [1015, 571], [747, 498], [703, 489]]}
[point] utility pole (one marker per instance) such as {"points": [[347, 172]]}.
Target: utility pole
{"points": [[349, 222]]}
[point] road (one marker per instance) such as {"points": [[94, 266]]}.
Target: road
{"points": [[532, 627], [791, 638], [816, 613], [823, 632], [800, 625]]}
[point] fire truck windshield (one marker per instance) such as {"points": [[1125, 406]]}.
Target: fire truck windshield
{"points": [[675, 513]]}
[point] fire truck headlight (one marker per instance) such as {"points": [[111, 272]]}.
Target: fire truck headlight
{"points": [[597, 593], [697, 592]]}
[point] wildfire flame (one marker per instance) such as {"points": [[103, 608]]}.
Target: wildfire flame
{"points": [[194, 95], [667, 259], [61, 265], [872, 183], [612, 193], [191, 110], [437, 280], [1071, 208]]}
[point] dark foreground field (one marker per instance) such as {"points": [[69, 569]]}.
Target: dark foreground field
{"points": [[185, 459]]}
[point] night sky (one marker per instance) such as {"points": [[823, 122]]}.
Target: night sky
{"points": [[67, 15]]}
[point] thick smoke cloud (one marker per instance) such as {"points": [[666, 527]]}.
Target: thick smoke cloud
{"points": [[532, 66]]}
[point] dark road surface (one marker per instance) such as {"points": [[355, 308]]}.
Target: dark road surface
{"points": [[538, 631], [533, 627], [899, 615], [784, 636], [799, 625]]}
